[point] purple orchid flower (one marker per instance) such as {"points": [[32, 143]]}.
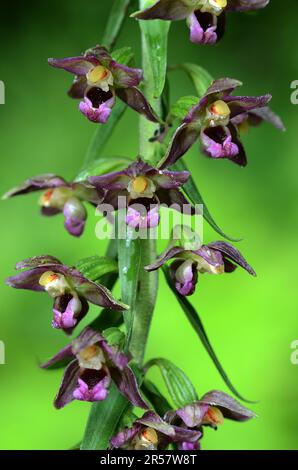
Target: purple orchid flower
{"points": [[214, 121], [215, 258], [144, 189], [70, 290], [152, 433], [61, 197], [205, 18], [99, 79], [211, 410], [93, 364]]}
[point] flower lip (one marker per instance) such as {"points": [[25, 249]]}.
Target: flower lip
{"points": [[97, 96]]}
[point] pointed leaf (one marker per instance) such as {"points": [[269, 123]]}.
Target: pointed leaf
{"points": [[155, 36], [94, 267], [179, 386], [182, 107], [195, 197], [123, 56], [197, 324]]}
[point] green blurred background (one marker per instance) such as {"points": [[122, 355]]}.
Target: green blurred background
{"points": [[251, 322]]}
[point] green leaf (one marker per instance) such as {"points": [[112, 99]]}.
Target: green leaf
{"points": [[114, 337], [123, 56], [102, 135], [155, 37], [195, 197], [103, 165], [199, 76], [197, 324], [103, 420], [157, 400], [94, 267], [179, 386], [129, 260], [115, 22], [182, 107]]}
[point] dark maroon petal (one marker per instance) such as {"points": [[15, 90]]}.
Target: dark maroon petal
{"points": [[169, 179], [152, 420], [192, 414], [127, 385], [78, 88], [170, 253], [77, 65], [65, 353], [29, 280], [183, 139], [223, 86], [266, 114], [37, 261], [125, 436], [166, 10], [229, 407], [232, 254], [246, 5], [135, 99], [119, 359], [37, 183], [125, 77], [186, 435], [112, 181], [87, 337], [49, 211], [175, 199], [240, 104], [68, 385], [94, 293], [240, 159]]}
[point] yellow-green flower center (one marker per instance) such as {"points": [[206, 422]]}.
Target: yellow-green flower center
{"points": [[140, 184], [214, 416], [220, 108]]}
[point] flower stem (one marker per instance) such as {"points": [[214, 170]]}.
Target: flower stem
{"points": [[147, 128]]}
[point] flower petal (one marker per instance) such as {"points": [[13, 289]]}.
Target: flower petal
{"points": [[152, 420], [168, 254], [232, 254], [37, 183], [125, 436], [125, 77], [167, 10], [68, 385], [183, 139], [240, 104], [65, 353], [127, 385], [37, 261], [77, 65], [78, 88], [229, 407], [136, 100], [246, 5]]}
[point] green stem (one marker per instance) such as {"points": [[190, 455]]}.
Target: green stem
{"points": [[147, 128]]}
